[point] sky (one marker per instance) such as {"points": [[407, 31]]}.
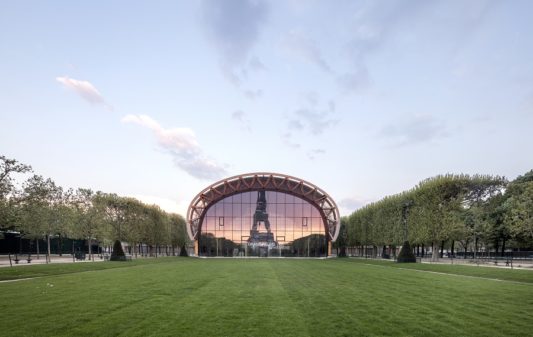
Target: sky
{"points": [[159, 99]]}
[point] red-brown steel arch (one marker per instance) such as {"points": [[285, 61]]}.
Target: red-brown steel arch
{"points": [[269, 182]]}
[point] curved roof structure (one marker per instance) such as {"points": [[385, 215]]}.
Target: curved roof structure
{"points": [[269, 182]]}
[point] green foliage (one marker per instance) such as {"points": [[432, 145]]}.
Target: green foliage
{"points": [[178, 231], [9, 215], [341, 242], [442, 208], [8, 167], [43, 209], [519, 214]]}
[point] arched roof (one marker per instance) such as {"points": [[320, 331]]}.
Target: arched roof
{"points": [[268, 182]]}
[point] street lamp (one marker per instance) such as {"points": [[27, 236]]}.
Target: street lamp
{"points": [[405, 214], [406, 254]]}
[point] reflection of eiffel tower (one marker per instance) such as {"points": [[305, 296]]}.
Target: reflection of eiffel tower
{"points": [[261, 215]]}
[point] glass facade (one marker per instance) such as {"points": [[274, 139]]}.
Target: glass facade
{"points": [[262, 223]]}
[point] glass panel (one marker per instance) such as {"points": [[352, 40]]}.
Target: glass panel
{"points": [[317, 226], [296, 228], [314, 212], [289, 199], [289, 210], [307, 210], [298, 207], [228, 209]]}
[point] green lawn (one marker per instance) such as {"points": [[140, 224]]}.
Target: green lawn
{"points": [[517, 275], [39, 270], [265, 297]]}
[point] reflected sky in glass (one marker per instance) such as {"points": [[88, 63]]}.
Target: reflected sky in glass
{"points": [[290, 217]]}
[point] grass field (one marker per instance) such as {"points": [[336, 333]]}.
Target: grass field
{"points": [[265, 297]]}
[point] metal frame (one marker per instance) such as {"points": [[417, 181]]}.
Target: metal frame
{"points": [[269, 182]]}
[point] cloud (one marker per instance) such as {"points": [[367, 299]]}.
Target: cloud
{"points": [[317, 121], [256, 64], [233, 28], [311, 97], [295, 124], [287, 140], [166, 204], [372, 25], [417, 129], [85, 89], [350, 204], [182, 145], [356, 80], [314, 153], [253, 94], [311, 118], [304, 48], [377, 23], [240, 116]]}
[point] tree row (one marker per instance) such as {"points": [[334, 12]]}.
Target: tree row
{"points": [[37, 208], [459, 213]]}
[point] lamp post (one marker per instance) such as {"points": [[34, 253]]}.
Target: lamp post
{"points": [[406, 254], [405, 214]]}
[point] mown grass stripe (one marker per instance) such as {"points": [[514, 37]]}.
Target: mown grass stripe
{"points": [[235, 297]]}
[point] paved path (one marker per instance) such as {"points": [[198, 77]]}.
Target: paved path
{"points": [[451, 274], [66, 258]]}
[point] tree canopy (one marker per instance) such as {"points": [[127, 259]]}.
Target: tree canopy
{"points": [[470, 209], [39, 209]]}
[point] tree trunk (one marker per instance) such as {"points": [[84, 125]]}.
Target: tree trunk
{"points": [[48, 258], [475, 248], [417, 250], [503, 248], [90, 249], [434, 252], [442, 249], [453, 245], [37, 244]]}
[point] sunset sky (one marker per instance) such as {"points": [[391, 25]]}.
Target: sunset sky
{"points": [[158, 99]]}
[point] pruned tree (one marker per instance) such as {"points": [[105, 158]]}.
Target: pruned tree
{"points": [[9, 202], [89, 217], [178, 233], [43, 208]]}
